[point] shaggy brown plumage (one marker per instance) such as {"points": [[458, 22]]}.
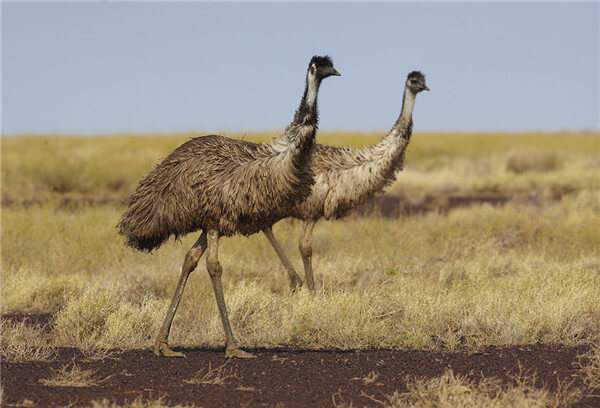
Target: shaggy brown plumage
{"points": [[213, 182], [224, 186], [346, 177]]}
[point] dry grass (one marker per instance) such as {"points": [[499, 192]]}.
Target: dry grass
{"points": [[213, 376], [454, 391], [524, 273], [137, 403], [108, 167], [71, 375], [368, 379], [482, 275], [99, 319], [25, 403], [27, 291], [590, 368], [21, 342], [524, 161]]}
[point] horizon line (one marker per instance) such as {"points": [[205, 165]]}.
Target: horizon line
{"points": [[255, 132]]}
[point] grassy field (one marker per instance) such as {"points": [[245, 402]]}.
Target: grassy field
{"points": [[38, 168], [478, 276], [523, 273]]}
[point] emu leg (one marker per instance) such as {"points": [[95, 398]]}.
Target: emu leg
{"points": [[295, 281], [191, 261], [215, 271], [306, 251]]}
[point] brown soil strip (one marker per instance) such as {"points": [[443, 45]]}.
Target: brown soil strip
{"points": [[289, 377], [42, 319], [394, 205], [387, 205]]}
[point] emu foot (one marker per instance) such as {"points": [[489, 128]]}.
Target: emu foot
{"points": [[235, 352], [162, 349]]}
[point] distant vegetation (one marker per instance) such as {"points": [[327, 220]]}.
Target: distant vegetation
{"points": [[40, 168]]}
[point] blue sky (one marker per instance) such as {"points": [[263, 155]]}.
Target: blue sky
{"points": [[158, 67]]}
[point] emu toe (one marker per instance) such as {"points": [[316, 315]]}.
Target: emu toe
{"points": [[238, 353], [162, 349]]}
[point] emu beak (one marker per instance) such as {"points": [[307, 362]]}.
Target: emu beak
{"points": [[425, 88], [336, 73]]}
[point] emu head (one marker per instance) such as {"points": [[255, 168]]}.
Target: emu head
{"points": [[321, 67], [416, 82]]}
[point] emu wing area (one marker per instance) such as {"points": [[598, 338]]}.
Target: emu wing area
{"points": [[209, 182]]}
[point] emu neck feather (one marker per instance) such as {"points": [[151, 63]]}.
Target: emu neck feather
{"points": [[388, 153], [301, 132], [312, 90], [375, 166]]}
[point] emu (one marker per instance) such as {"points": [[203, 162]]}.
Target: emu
{"points": [[346, 178], [224, 186]]}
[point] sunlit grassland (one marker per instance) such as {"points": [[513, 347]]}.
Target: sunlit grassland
{"points": [[37, 168], [523, 273], [476, 276]]}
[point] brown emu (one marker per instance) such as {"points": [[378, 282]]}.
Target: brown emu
{"points": [[224, 186], [346, 178]]}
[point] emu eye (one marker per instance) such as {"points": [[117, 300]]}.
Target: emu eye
{"points": [[320, 68]]}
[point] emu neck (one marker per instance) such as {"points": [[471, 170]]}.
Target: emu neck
{"points": [[307, 111], [300, 134], [310, 93], [408, 103], [396, 140], [387, 155]]}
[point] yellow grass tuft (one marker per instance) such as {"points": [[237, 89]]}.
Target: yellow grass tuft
{"points": [[100, 318], [26, 291], [139, 402], [451, 390], [213, 376], [590, 368], [524, 161], [21, 342], [71, 375]]}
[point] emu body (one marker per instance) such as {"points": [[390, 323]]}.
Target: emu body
{"points": [[213, 182], [346, 178], [223, 186]]}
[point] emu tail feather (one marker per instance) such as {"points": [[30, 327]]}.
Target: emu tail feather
{"points": [[140, 225], [156, 211]]}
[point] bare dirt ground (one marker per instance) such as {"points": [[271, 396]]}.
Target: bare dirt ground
{"points": [[279, 377]]}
